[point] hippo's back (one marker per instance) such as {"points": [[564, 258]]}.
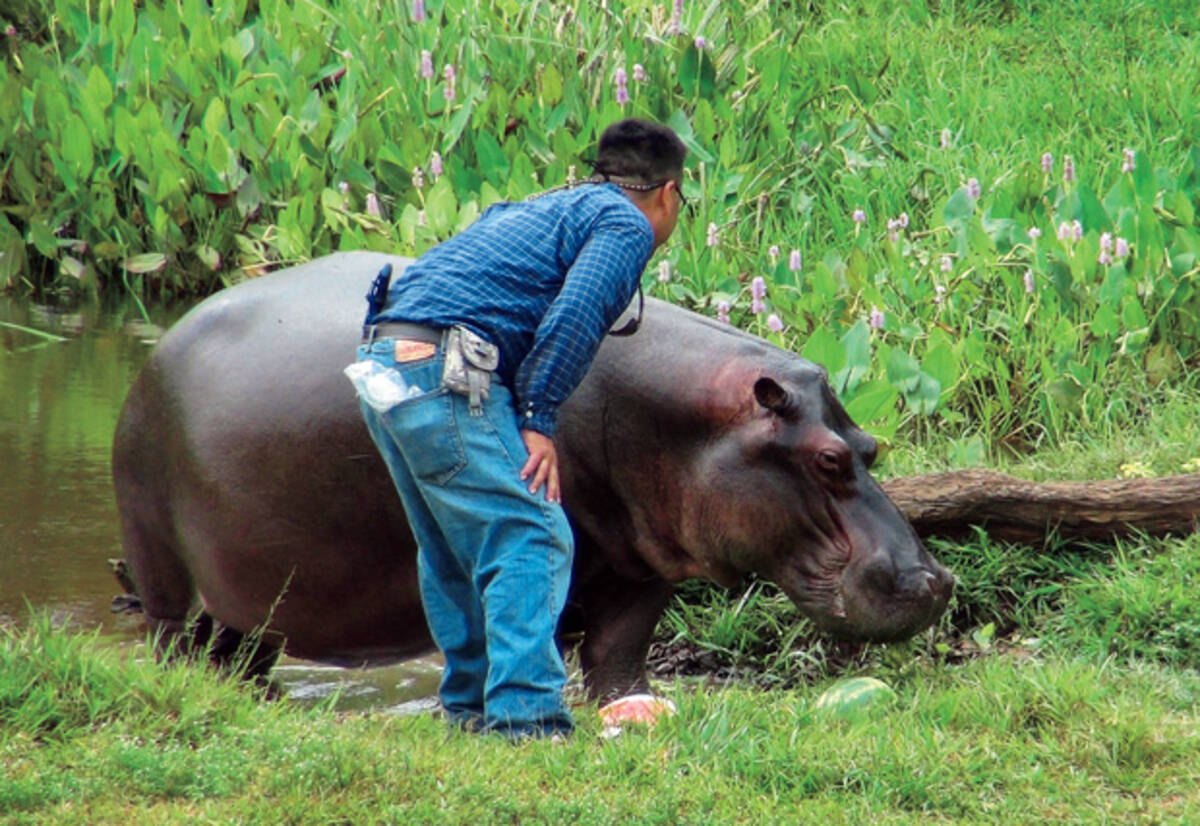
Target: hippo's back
{"points": [[244, 474]]}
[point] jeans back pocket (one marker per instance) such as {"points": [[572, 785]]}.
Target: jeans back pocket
{"points": [[426, 430]]}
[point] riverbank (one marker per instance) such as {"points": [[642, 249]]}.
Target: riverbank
{"points": [[88, 735]]}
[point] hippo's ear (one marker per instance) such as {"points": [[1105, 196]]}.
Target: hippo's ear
{"points": [[772, 395]]}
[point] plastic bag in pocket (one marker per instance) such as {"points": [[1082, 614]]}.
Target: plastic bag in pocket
{"points": [[381, 387]]}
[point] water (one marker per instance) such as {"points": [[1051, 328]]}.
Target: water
{"points": [[59, 402]]}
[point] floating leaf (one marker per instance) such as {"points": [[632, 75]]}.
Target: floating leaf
{"points": [[144, 263]]}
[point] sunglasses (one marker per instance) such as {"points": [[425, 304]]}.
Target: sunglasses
{"points": [[631, 326], [684, 203]]}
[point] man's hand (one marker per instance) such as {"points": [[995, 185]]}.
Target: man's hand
{"points": [[542, 463]]}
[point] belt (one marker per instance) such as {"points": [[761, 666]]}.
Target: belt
{"points": [[401, 330]]}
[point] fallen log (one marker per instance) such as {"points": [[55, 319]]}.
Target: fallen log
{"points": [[949, 504]]}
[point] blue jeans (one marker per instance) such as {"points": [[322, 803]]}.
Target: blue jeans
{"points": [[493, 561]]}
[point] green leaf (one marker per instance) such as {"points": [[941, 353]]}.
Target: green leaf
{"points": [[441, 207], [1105, 323], [43, 238], [77, 150], [1066, 393], [823, 348], [125, 131], [552, 85], [903, 371], [682, 127], [1162, 362], [215, 117], [310, 113], [1143, 179], [959, 207], [99, 88], [871, 401], [857, 345], [941, 364], [490, 159], [457, 124]]}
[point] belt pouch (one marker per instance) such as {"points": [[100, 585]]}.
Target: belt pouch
{"points": [[469, 362]]}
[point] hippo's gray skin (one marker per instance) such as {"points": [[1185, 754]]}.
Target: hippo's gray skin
{"points": [[244, 475]]}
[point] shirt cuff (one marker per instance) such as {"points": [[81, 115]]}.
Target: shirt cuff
{"points": [[539, 418]]}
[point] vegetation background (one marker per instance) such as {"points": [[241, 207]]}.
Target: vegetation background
{"points": [[882, 187]]}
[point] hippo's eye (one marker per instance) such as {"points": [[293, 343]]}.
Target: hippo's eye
{"points": [[833, 464]]}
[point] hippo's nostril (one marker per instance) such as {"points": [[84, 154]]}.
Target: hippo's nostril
{"points": [[931, 582]]}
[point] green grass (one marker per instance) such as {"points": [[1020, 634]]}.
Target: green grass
{"points": [[1003, 739]]}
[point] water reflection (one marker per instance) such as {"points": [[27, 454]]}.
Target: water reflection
{"points": [[59, 401]]}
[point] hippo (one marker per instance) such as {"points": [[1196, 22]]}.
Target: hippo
{"points": [[254, 505]]}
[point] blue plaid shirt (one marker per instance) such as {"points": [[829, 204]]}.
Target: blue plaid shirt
{"points": [[543, 280]]}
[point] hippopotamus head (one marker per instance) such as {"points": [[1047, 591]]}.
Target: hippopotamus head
{"points": [[786, 493]]}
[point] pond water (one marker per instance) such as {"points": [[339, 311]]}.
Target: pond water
{"points": [[63, 377]]}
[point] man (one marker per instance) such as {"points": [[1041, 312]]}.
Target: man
{"points": [[529, 290]]}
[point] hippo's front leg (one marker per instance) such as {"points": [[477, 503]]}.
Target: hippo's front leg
{"points": [[619, 617]]}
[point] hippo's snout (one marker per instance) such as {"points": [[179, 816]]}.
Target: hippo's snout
{"points": [[932, 585], [891, 596]]}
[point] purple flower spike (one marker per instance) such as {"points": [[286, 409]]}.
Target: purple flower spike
{"points": [[939, 293], [622, 81], [758, 288], [757, 305], [1128, 165], [1105, 259], [664, 272], [794, 260], [1068, 169], [344, 187], [774, 324], [876, 319], [418, 10], [973, 188], [1106, 242], [902, 221], [1028, 281], [947, 263], [1122, 248], [676, 26], [947, 135], [1035, 233], [448, 73], [435, 165], [1076, 231], [773, 251], [1064, 231], [639, 73], [373, 205], [426, 64], [418, 177], [10, 30], [859, 216], [701, 42], [723, 311], [711, 240], [1047, 163]]}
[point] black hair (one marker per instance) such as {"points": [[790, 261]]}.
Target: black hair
{"points": [[640, 150]]}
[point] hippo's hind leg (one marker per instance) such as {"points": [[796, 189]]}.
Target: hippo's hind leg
{"points": [[168, 599], [248, 655]]}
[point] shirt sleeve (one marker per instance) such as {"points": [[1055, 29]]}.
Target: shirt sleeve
{"points": [[599, 285]]}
